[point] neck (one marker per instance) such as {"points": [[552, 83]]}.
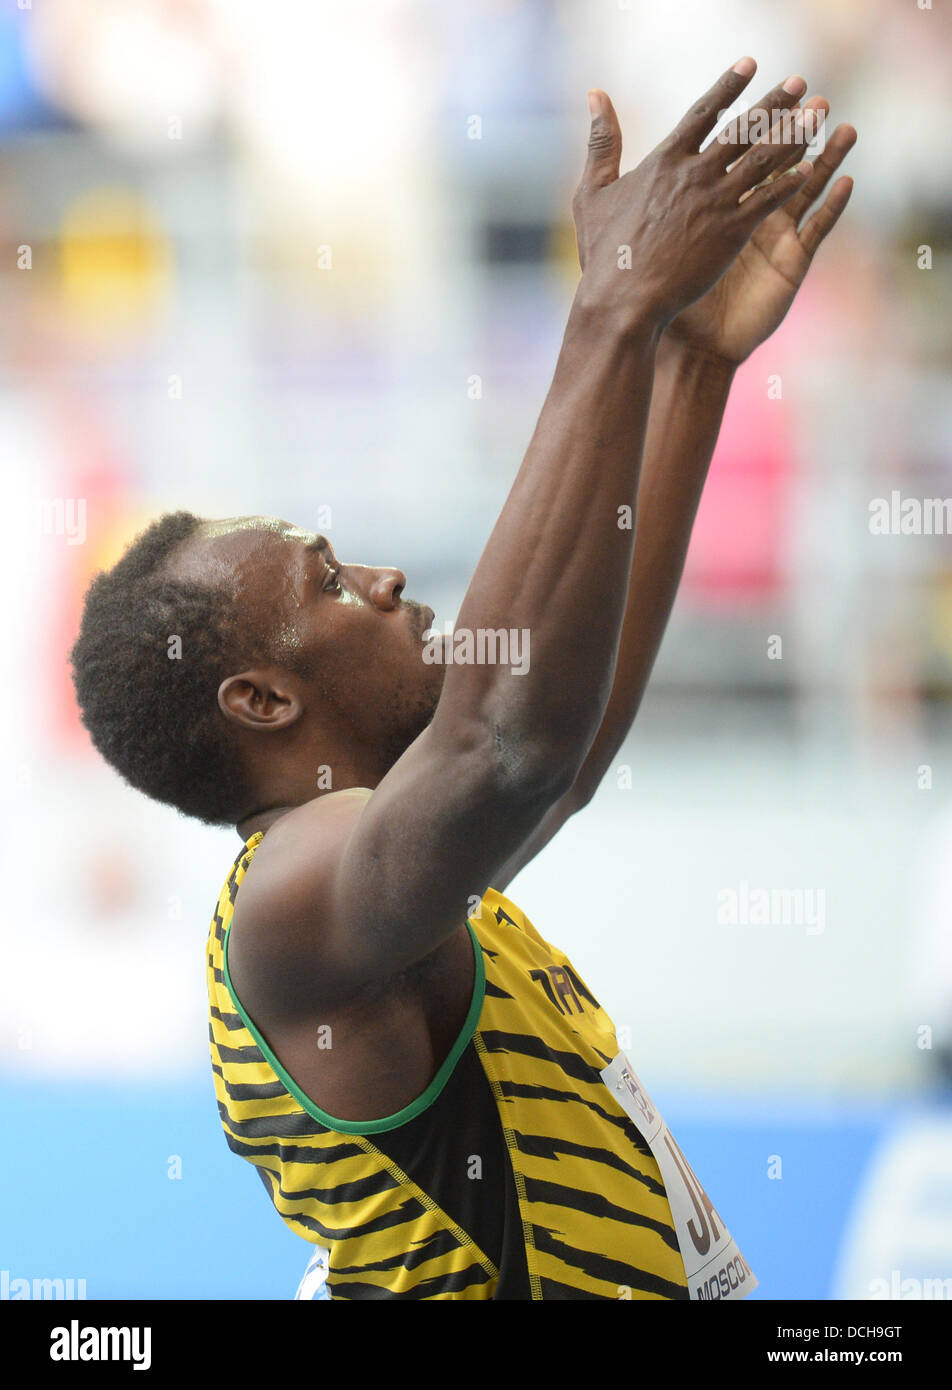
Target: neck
{"points": [[289, 792], [261, 820]]}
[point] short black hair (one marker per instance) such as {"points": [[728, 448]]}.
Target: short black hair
{"points": [[152, 714]]}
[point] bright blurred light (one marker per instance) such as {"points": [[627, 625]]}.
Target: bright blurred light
{"points": [[130, 69]]}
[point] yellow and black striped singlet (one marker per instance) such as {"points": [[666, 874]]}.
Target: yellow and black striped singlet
{"points": [[580, 1210]]}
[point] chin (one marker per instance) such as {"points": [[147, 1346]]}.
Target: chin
{"points": [[430, 697], [413, 712]]}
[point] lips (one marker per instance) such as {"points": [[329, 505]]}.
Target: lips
{"points": [[426, 620]]}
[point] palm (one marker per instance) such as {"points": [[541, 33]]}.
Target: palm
{"points": [[753, 295]]}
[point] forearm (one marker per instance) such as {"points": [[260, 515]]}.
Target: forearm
{"points": [[690, 393], [557, 564]]}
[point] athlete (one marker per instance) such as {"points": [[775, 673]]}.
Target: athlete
{"points": [[431, 1094]]}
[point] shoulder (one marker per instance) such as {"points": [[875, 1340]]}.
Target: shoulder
{"points": [[283, 898], [299, 848]]}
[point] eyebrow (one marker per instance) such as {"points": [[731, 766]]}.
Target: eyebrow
{"points": [[317, 547]]}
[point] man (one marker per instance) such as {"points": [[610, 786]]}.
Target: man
{"points": [[430, 1093]]}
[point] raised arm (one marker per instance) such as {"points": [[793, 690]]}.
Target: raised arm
{"points": [[695, 364], [696, 361], [354, 886]]}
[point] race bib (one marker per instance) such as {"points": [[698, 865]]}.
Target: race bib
{"points": [[314, 1280], [714, 1266]]}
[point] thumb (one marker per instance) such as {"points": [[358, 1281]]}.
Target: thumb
{"points": [[604, 142]]}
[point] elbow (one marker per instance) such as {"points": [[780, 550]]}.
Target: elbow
{"points": [[506, 765], [531, 769]]}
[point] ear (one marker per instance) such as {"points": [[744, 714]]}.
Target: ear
{"points": [[265, 700]]}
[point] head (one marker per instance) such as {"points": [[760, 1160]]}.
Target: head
{"points": [[230, 667]]}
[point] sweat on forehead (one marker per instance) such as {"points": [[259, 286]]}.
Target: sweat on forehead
{"points": [[230, 543], [232, 524]]}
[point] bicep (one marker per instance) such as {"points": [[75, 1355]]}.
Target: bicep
{"points": [[352, 888]]}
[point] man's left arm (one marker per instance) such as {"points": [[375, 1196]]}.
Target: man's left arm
{"points": [[694, 369], [687, 405]]}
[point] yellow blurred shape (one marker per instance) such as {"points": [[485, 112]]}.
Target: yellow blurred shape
{"points": [[942, 616], [563, 249], [116, 264]]}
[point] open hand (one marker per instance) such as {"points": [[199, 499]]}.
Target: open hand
{"points": [[660, 237], [749, 301]]}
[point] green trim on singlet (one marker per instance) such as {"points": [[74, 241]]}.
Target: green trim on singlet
{"points": [[409, 1112]]}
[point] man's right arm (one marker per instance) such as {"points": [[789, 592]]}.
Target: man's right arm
{"points": [[353, 887]]}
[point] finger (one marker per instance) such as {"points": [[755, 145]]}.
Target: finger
{"points": [[826, 216], [762, 201], [816, 109], [788, 139], [604, 142], [695, 124], [824, 167], [731, 142]]}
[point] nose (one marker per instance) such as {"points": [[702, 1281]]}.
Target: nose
{"points": [[383, 586]]}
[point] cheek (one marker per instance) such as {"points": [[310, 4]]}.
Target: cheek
{"points": [[371, 651], [287, 642], [348, 641]]}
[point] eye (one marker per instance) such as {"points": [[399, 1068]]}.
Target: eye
{"points": [[332, 584]]}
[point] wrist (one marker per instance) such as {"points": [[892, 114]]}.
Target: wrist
{"points": [[687, 357], [594, 312]]}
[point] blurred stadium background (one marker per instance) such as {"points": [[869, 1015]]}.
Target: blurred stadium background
{"points": [[315, 262]]}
